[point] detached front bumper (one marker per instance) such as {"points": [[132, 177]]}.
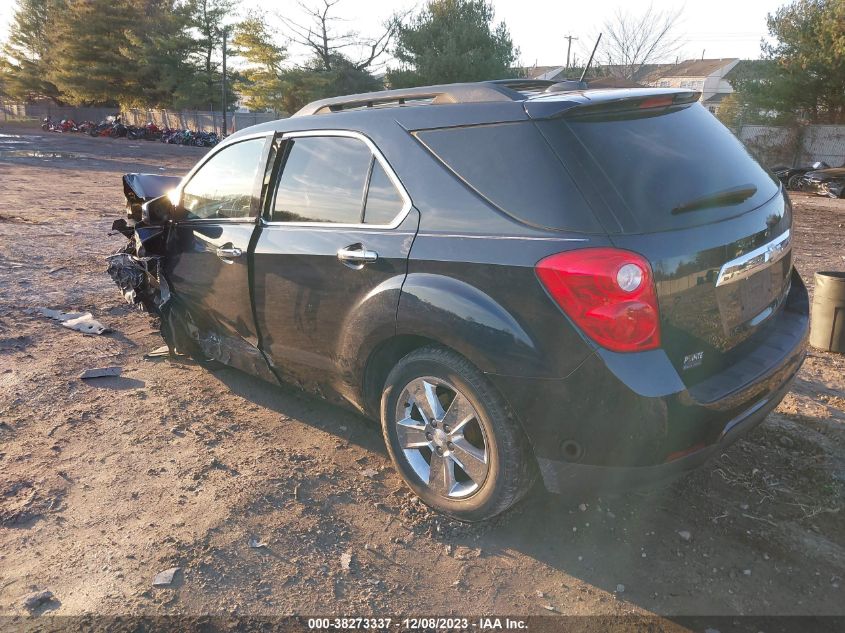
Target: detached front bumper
{"points": [[623, 420]]}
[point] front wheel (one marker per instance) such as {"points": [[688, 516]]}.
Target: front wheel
{"points": [[452, 437]]}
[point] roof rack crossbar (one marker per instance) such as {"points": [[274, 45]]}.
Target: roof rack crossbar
{"points": [[483, 91]]}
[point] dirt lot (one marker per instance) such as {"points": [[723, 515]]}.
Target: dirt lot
{"points": [[257, 492]]}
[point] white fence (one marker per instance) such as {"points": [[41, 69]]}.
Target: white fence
{"points": [[798, 145]]}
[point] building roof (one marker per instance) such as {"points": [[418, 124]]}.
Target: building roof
{"points": [[614, 82], [543, 72], [611, 76], [716, 99], [749, 65], [697, 67]]}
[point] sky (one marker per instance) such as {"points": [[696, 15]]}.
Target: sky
{"points": [[716, 28]]}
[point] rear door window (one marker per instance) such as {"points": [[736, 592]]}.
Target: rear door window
{"points": [[334, 180], [666, 169], [323, 180]]}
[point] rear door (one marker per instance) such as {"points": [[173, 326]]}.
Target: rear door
{"points": [[207, 254], [331, 256]]}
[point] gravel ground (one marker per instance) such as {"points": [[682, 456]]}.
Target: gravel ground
{"points": [[271, 502]]}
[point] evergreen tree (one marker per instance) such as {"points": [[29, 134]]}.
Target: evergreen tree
{"points": [[208, 18], [260, 82], [158, 54], [23, 58], [804, 70], [86, 57], [452, 41]]}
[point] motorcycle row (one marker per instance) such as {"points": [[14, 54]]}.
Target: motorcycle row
{"points": [[114, 127]]}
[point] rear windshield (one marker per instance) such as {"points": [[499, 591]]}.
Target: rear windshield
{"points": [[665, 169]]}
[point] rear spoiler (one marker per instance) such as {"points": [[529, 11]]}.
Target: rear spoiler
{"points": [[607, 102]]}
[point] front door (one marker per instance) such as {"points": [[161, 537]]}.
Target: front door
{"points": [[207, 261], [330, 258]]}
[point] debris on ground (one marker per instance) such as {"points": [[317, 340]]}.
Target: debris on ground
{"points": [[685, 535], [35, 600], [346, 561], [158, 352], [254, 543], [100, 372], [80, 321], [165, 578], [620, 588]]}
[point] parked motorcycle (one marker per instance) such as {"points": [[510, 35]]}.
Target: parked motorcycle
{"points": [[791, 177]]}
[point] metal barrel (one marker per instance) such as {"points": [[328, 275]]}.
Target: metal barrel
{"points": [[827, 329]]}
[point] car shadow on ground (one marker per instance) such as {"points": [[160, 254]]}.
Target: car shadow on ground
{"points": [[676, 548], [290, 402]]}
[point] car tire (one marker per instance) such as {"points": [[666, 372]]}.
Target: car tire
{"points": [[793, 183], [482, 466]]}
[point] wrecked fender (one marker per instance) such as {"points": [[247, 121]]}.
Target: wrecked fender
{"points": [[141, 188], [137, 267]]}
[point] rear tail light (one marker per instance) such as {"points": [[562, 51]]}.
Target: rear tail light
{"points": [[608, 293]]}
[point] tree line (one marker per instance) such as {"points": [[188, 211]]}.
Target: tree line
{"points": [[166, 54], [801, 76]]}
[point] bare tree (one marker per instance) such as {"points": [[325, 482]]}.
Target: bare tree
{"points": [[631, 41], [321, 36]]}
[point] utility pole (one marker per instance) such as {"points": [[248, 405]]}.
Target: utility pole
{"points": [[569, 39], [224, 82]]}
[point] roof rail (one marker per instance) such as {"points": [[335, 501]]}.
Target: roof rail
{"points": [[478, 92]]}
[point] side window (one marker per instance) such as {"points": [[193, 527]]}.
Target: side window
{"points": [[323, 180], [383, 200], [224, 186]]}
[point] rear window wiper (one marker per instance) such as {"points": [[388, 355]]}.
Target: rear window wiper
{"points": [[734, 195]]}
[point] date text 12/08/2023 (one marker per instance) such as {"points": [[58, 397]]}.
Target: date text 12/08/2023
{"points": [[416, 624]]}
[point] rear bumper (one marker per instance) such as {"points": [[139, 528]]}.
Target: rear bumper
{"points": [[623, 420], [573, 478]]}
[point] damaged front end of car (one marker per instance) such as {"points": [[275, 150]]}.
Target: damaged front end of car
{"points": [[137, 268]]}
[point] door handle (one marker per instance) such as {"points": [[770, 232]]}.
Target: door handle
{"points": [[225, 253], [357, 256]]}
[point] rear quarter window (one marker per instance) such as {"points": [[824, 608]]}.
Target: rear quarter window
{"points": [[512, 167]]}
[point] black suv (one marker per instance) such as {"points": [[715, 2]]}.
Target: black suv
{"points": [[517, 278]]}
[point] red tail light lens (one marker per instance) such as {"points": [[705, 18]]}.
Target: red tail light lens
{"points": [[608, 293]]}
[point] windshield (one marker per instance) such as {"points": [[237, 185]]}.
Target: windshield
{"points": [[650, 164]]}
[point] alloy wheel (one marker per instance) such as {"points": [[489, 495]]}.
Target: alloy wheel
{"points": [[442, 437]]}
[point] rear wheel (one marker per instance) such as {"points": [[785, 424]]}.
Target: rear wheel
{"points": [[794, 182], [452, 437]]}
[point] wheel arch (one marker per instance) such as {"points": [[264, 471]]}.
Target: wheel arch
{"points": [[382, 359]]}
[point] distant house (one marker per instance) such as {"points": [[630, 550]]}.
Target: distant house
{"points": [[560, 73], [708, 76]]}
